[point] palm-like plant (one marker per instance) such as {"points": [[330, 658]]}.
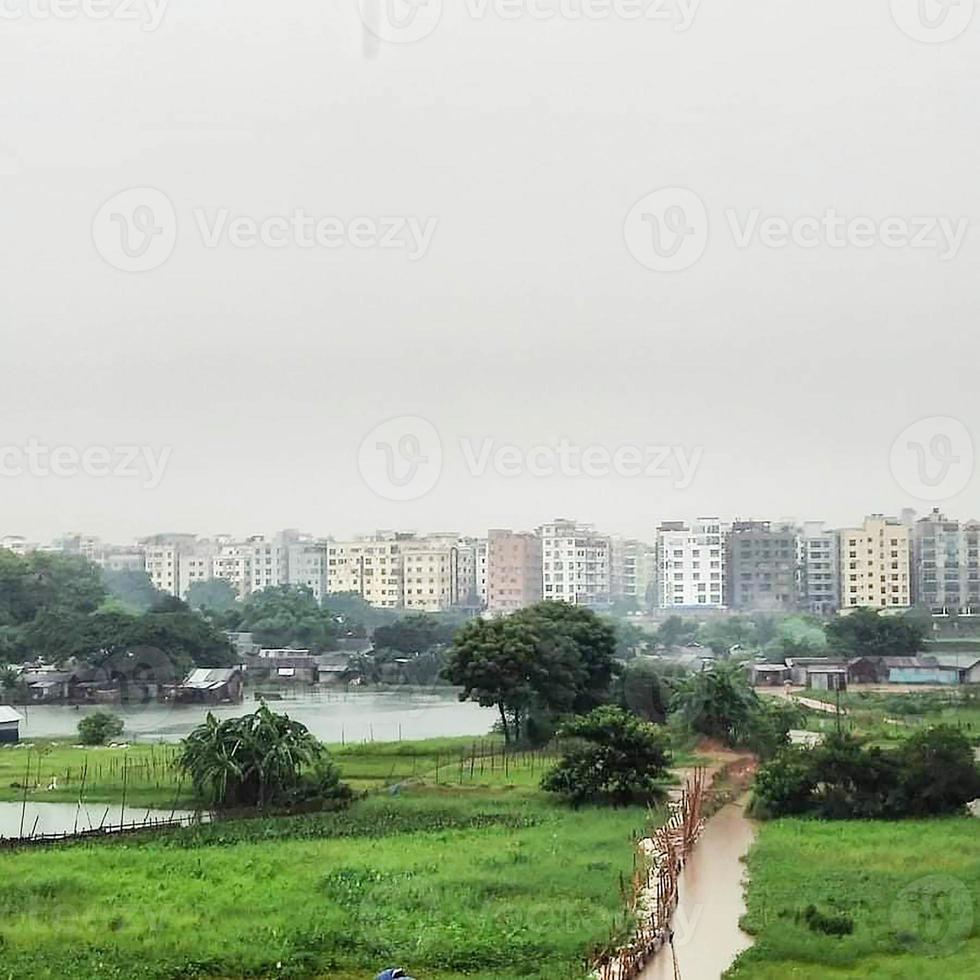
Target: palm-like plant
{"points": [[718, 703], [254, 760]]}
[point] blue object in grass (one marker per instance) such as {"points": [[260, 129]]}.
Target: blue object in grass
{"points": [[395, 974]]}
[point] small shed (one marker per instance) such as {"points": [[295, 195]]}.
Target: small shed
{"points": [[9, 726], [768, 675], [966, 665], [799, 667], [826, 678], [212, 686]]}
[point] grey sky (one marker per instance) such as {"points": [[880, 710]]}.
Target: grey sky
{"points": [[527, 320]]}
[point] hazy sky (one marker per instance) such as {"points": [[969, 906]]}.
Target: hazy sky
{"points": [[781, 371]]}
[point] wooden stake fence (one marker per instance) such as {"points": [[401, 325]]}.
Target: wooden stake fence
{"points": [[653, 893]]}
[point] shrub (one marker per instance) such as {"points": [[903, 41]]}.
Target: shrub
{"points": [[99, 728], [616, 758], [937, 772], [785, 785]]}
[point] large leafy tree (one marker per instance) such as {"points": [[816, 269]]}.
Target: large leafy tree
{"points": [[213, 595], [258, 760], [550, 658], [614, 757], [867, 633], [416, 634], [288, 616], [131, 587]]}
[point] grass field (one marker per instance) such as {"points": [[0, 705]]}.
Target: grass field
{"points": [[889, 717], [910, 889], [490, 883], [150, 778]]}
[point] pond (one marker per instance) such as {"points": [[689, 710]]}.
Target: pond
{"points": [[341, 716], [63, 818]]}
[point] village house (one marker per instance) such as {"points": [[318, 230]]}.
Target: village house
{"points": [[287, 665], [210, 685], [768, 675], [9, 726]]}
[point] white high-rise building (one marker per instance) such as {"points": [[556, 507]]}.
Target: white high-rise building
{"points": [[691, 563], [575, 563]]}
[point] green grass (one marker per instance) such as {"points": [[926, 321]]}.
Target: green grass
{"points": [[482, 883], [860, 870]]}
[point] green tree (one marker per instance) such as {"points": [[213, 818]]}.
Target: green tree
{"points": [[215, 595], [258, 760], [99, 728], [676, 631], [495, 662], [416, 634], [615, 758], [132, 587], [289, 616], [645, 691], [938, 772], [867, 633], [718, 703]]}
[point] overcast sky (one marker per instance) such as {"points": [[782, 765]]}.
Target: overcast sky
{"points": [[513, 304]]}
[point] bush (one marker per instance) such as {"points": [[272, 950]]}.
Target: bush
{"points": [[99, 728], [617, 758], [932, 773]]}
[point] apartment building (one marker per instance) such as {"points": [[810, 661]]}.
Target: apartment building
{"points": [[482, 572], [371, 566], [439, 573], [691, 563], [575, 563], [820, 561], [875, 564], [514, 571], [946, 563], [633, 572], [162, 558], [763, 567]]}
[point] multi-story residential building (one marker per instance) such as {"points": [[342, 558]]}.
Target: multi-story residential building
{"points": [[946, 565], [875, 564], [514, 571], [306, 562], [371, 566], [439, 573], [820, 557], [691, 563], [763, 566], [632, 575], [575, 563], [162, 555], [482, 584]]}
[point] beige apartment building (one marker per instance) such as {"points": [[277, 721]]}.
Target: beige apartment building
{"points": [[875, 564], [513, 571], [371, 566], [633, 571]]}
